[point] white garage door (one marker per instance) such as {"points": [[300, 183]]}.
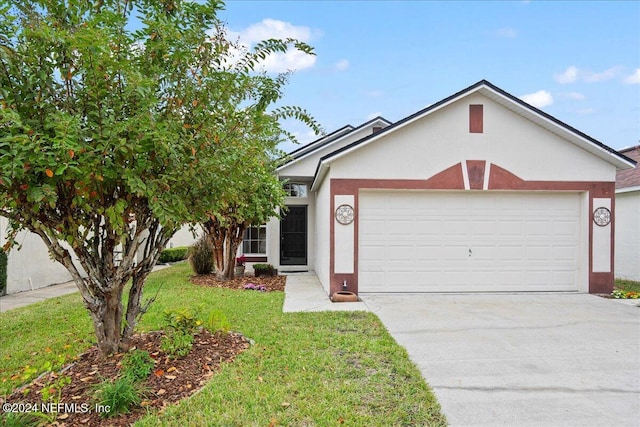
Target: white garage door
{"points": [[417, 241]]}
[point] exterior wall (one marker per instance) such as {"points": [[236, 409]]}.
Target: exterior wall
{"points": [[306, 166], [437, 152], [322, 232], [442, 139], [31, 267], [184, 237], [627, 248]]}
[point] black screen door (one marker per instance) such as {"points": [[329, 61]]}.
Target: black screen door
{"points": [[293, 236]]}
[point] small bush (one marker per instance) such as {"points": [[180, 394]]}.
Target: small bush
{"points": [[137, 365], [119, 396], [177, 344], [263, 270], [3, 271], [182, 320], [173, 254], [217, 321], [201, 256]]}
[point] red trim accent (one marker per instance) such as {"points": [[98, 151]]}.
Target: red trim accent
{"points": [[255, 258], [451, 179], [475, 172], [448, 178]]}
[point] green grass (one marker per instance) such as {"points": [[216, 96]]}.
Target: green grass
{"points": [[627, 285], [304, 369]]}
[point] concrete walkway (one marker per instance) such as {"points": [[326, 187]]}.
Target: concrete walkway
{"points": [[21, 299], [9, 302], [304, 292]]}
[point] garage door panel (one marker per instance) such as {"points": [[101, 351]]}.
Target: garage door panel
{"points": [[427, 252], [538, 253], [456, 227], [564, 253], [510, 252], [510, 228], [565, 228], [469, 241], [539, 228], [484, 227]]}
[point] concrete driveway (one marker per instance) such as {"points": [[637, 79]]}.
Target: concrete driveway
{"points": [[522, 360]]}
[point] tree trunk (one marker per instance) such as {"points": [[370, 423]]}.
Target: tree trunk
{"points": [[104, 285], [107, 321], [235, 233], [217, 235]]}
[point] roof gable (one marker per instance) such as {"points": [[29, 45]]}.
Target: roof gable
{"points": [[311, 152], [503, 98]]}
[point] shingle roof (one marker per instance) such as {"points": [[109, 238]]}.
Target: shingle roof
{"points": [[630, 177]]}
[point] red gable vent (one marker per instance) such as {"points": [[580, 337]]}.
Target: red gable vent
{"points": [[377, 129], [475, 118]]}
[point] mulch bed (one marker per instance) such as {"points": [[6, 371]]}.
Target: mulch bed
{"points": [[271, 283], [170, 381]]}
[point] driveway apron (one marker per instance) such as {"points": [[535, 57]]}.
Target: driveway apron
{"points": [[522, 359]]}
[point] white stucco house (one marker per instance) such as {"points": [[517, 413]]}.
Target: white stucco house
{"points": [[479, 192], [627, 261]]}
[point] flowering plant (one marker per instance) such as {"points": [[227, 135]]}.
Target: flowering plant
{"points": [[254, 287], [241, 260], [622, 294]]}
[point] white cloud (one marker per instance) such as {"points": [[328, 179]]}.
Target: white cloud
{"points": [[274, 29], [576, 96], [507, 33], [374, 115], [573, 74], [634, 78], [538, 99], [608, 74], [342, 65], [570, 75]]}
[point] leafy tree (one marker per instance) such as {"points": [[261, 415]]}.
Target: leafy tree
{"points": [[251, 194], [112, 138]]}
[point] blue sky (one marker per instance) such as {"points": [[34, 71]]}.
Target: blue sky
{"points": [[578, 61]]}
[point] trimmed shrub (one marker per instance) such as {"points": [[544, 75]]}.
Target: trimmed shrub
{"points": [[173, 254], [3, 271], [201, 256], [137, 365], [264, 270]]}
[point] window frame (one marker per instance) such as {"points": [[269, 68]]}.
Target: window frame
{"points": [[246, 240], [291, 189]]}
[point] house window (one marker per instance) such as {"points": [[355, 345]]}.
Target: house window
{"points": [[255, 240], [295, 190]]}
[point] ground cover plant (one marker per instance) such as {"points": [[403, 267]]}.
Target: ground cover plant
{"points": [[302, 369], [626, 289]]}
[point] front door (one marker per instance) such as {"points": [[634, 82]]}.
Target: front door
{"points": [[293, 236]]}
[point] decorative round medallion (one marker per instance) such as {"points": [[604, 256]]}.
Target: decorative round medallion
{"points": [[602, 216], [344, 214]]}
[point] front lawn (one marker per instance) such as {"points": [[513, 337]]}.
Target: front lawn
{"points": [[304, 369]]}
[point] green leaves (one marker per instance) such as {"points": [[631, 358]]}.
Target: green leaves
{"points": [[106, 132]]}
